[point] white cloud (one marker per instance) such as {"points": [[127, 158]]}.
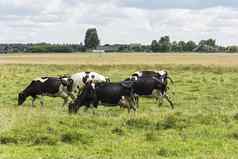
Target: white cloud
{"points": [[67, 20]]}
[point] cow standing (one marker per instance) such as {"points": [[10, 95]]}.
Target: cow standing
{"points": [[107, 94], [162, 74], [47, 86], [150, 86]]}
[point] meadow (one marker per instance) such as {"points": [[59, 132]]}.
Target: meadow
{"points": [[204, 123]]}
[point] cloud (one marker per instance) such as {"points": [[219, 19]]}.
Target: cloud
{"points": [[118, 21], [181, 4]]}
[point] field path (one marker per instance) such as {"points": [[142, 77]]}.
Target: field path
{"points": [[221, 59]]}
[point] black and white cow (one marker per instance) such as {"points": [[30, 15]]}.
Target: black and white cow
{"points": [[107, 94], [81, 78], [47, 86], [150, 86], [162, 74]]}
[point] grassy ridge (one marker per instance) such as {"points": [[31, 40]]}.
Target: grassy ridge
{"points": [[203, 124]]}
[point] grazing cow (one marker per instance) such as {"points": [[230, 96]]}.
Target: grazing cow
{"points": [[150, 86], [108, 94], [81, 78], [47, 86]]}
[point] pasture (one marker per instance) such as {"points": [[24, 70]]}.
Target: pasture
{"points": [[204, 123]]}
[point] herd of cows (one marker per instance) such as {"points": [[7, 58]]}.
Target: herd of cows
{"points": [[93, 89]]}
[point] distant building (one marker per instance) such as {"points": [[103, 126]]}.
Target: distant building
{"points": [[108, 48], [98, 51]]}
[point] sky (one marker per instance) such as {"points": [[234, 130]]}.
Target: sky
{"points": [[118, 21]]}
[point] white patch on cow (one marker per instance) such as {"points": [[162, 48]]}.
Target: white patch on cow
{"points": [[162, 72], [138, 73], [135, 78], [78, 80], [123, 102], [93, 85], [40, 79]]}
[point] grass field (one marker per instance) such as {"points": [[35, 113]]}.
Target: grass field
{"points": [[220, 59], [204, 123]]}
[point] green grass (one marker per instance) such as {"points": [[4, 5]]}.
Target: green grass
{"points": [[204, 123]]}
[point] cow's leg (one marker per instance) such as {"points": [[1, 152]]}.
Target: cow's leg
{"points": [[65, 97], [65, 101], [131, 104], [170, 102], [42, 101], [155, 94], [136, 101], [161, 99], [33, 101]]}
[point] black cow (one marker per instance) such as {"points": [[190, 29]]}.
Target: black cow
{"points": [[108, 94], [150, 86], [162, 74], [47, 86]]}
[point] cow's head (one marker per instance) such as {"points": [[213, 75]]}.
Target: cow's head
{"points": [[162, 75], [21, 98], [86, 97]]}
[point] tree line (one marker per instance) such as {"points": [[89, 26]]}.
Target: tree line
{"points": [[92, 43]]}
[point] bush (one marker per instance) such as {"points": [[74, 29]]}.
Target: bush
{"points": [[166, 153], [118, 131], [151, 136], [45, 139], [236, 116], [139, 123], [75, 136], [8, 139], [173, 121]]}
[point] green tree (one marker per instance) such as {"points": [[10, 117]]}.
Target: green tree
{"points": [[174, 46], [164, 44], [190, 45], [232, 49], [209, 42], [181, 46], [154, 46], [91, 40]]}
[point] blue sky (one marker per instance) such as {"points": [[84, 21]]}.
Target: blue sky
{"points": [[118, 21]]}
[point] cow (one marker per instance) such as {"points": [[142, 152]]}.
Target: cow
{"points": [[81, 78], [162, 74], [107, 94], [150, 86], [47, 86]]}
